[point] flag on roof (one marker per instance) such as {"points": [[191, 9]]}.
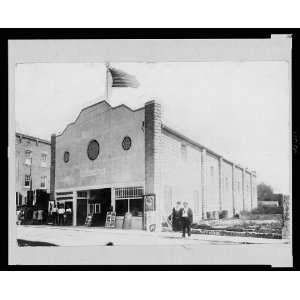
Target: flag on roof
{"points": [[118, 78], [122, 79]]}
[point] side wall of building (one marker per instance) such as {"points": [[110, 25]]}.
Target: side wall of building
{"points": [[227, 203], [189, 173], [181, 174], [247, 191], [239, 203], [254, 192], [212, 181]]}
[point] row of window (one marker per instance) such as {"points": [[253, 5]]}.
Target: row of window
{"points": [[129, 199], [134, 206], [238, 185], [28, 158], [43, 183], [93, 149]]}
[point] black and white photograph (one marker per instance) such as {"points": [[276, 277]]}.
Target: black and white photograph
{"points": [[150, 152]]}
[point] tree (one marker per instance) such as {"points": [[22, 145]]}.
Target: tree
{"points": [[264, 191]]}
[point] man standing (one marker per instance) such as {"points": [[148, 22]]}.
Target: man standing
{"points": [[176, 217], [187, 219], [61, 212], [54, 215]]}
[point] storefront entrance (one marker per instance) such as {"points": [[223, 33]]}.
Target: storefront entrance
{"points": [[99, 203], [81, 211], [93, 202]]}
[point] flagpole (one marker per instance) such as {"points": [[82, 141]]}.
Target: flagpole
{"points": [[107, 82]]}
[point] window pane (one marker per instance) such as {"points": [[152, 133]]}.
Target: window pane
{"points": [[136, 207], [121, 207], [97, 208], [43, 181], [27, 180], [27, 153]]}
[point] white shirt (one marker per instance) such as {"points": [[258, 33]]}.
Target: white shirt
{"points": [[61, 211], [185, 212]]}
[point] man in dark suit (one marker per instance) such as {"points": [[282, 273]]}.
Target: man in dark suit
{"points": [[187, 219]]}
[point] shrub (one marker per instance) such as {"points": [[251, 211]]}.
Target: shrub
{"points": [[200, 226], [223, 214], [264, 210]]}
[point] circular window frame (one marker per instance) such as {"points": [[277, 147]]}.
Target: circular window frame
{"points": [[66, 156], [87, 150], [124, 146]]}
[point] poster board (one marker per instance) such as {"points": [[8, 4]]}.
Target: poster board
{"points": [[149, 212], [110, 220], [88, 220], [149, 202]]}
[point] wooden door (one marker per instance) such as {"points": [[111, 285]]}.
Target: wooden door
{"points": [[81, 211]]}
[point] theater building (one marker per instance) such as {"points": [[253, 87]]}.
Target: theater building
{"points": [[32, 167], [110, 157]]}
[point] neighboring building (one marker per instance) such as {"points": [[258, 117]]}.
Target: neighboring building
{"points": [[32, 166], [112, 156], [274, 200]]}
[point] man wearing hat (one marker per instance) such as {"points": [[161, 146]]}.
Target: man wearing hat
{"points": [[186, 219], [176, 217]]}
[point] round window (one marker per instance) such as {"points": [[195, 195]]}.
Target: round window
{"points": [[126, 144], [66, 156], [93, 150]]}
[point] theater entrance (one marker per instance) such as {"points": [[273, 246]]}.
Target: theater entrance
{"points": [[99, 203], [93, 202]]}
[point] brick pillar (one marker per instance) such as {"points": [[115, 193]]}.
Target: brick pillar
{"points": [[233, 190], [251, 190], [244, 188], [152, 154], [74, 208], [203, 183], [286, 226], [254, 188], [220, 182], [52, 168]]}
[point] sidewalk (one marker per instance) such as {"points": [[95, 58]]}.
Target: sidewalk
{"points": [[88, 236], [87, 246]]}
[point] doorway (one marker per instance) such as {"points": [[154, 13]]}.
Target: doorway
{"points": [[81, 211], [99, 203]]}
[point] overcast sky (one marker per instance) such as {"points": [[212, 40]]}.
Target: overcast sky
{"points": [[237, 109]]}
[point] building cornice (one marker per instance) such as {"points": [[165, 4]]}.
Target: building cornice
{"points": [[95, 104], [32, 138], [201, 147]]}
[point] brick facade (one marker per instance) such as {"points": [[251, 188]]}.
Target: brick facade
{"points": [[52, 168], [33, 165]]}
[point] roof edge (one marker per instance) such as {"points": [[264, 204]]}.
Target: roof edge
{"points": [[95, 104], [34, 138], [198, 145]]}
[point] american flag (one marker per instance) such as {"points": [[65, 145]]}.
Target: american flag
{"points": [[122, 79]]}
